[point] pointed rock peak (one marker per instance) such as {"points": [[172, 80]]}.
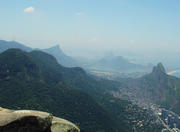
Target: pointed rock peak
{"points": [[55, 47], [159, 68], [55, 50]]}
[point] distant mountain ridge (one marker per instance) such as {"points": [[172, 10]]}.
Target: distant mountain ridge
{"points": [[108, 63], [117, 63], [4, 45], [61, 57]]}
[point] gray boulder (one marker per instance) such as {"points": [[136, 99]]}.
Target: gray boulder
{"points": [[33, 121]]}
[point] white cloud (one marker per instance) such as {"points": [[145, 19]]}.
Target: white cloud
{"points": [[79, 13], [29, 9]]}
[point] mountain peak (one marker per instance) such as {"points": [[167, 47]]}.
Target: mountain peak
{"points": [[4, 45], [55, 47], [61, 57], [159, 68]]}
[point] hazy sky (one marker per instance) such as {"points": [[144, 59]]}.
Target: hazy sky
{"points": [[93, 24]]}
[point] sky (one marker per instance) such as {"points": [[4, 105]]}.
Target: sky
{"points": [[99, 25]]}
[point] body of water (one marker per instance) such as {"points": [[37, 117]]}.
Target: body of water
{"points": [[176, 74]]}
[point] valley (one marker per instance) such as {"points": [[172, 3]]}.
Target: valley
{"points": [[134, 100], [89, 66]]}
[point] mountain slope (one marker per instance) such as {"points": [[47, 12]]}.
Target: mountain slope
{"points": [[156, 87], [117, 63], [4, 45], [123, 112], [24, 84], [36, 81], [62, 58]]}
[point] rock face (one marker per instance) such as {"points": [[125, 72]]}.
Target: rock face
{"points": [[33, 121], [154, 88], [61, 57], [159, 71]]}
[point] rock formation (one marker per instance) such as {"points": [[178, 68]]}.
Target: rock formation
{"points": [[33, 121]]}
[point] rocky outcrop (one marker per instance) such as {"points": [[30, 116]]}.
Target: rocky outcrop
{"points": [[33, 121], [159, 68]]}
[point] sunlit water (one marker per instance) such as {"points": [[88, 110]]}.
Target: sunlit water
{"points": [[177, 74]]}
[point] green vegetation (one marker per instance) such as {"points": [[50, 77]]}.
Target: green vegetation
{"points": [[158, 88], [24, 85], [166, 89], [35, 80]]}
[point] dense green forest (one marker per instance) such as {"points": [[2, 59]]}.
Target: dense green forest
{"points": [[36, 81]]}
